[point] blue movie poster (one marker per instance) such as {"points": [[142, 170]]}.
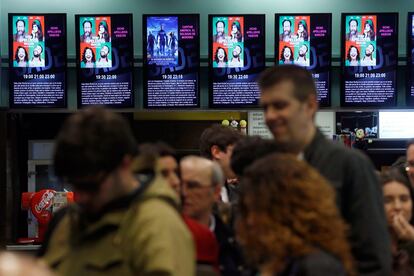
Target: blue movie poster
{"points": [[162, 40]]}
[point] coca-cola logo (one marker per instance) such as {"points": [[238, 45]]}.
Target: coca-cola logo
{"points": [[45, 201]]}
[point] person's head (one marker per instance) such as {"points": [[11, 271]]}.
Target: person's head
{"points": [[104, 51], [37, 27], [21, 55], [166, 162], [410, 160], [369, 50], [88, 55], [103, 27], [37, 51], [353, 26], [398, 194], [287, 54], [94, 153], [220, 25], [287, 210], [369, 26], [288, 97], [250, 149], [201, 181], [237, 52], [20, 27], [220, 55], [302, 27], [87, 28], [353, 53], [235, 27], [217, 143], [303, 50], [287, 25]]}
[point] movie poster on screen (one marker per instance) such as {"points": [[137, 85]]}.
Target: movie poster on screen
{"points": [[236, 58], [305, 40], [369, 59], [171, 63], [105, 60], [37, 64]]}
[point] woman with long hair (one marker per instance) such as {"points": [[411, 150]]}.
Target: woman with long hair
{"points": [[369, 32], [302, 31], [289, 223], [37, 33], [352, 57], [88, 58], [103, 32], [21, 58], [236, 34], [398, 203], [220, 57], [286, 56]]}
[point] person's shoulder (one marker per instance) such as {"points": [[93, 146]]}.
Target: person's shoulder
{"points": [[321, 263]]}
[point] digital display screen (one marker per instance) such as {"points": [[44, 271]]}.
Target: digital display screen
{"points": [[37, 60], [171, 46], [410, 60], [369, 59], [105, 57], [305, 40], [396, 124], [236, 58]]}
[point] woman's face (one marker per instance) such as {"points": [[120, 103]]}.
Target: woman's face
{"points": [[300, 29], [88, 55], [35, 28], [21, 54], [221, 54], [367, 27], [101, 29], [234, 29], [397, 201], [353, 53], [287, 54]]}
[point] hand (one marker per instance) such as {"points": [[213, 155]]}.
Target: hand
{"points": [[403, 229]]}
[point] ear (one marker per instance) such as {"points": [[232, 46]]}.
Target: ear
{"points": [[215, 152], [312, 104]]}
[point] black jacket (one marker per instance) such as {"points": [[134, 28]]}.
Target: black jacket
{"points": [[360, 200], [318, 263], [231, 261]]}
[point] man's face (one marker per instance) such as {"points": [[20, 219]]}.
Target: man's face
{"points": [[353, 27], [302, 50], [37, 51], [169, 169], [20, 27], [224, 160], [198, 193], [104, 52], [87, 29], [410, 163], [369, 50], [286, 117], [236, 51], [220, 28], [286, 27]]}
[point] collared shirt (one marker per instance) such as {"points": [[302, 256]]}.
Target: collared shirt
{"points": [[212, 225]]}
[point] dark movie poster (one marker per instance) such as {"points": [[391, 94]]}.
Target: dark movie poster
{"points": [[369, 59], [171, 60], [105, 57], [305, 40], [236, 58], [410, 59], [37, 60]]}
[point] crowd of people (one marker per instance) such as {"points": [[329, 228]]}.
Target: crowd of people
{"points": [[294, 205]]}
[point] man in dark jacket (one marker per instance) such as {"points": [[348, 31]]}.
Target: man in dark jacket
{"points": [[289, 99]]}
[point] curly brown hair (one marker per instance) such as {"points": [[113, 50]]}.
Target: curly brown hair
{"points": [[288, 210]]}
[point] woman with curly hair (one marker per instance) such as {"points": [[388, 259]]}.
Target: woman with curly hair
{"points": [[289, 223]]}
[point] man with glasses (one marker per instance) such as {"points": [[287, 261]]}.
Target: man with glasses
{"points": [[409, 165], [122, 223], [201, 185]]}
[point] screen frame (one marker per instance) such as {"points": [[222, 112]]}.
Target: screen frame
{"points": [[77, 48], [145, 66], [210, 63], [276, 47], [10, 63], [342, 62], [409, 60]]}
